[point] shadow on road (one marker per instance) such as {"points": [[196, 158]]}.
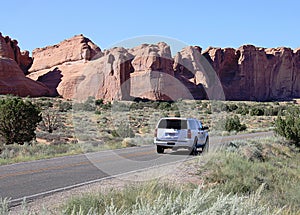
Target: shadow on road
{"points": [[180, 152]]}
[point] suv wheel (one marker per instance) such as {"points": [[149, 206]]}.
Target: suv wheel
{"points": [[160, 149], [193, 150]]}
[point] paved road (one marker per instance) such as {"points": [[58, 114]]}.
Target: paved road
{"points": [[38, 178]]}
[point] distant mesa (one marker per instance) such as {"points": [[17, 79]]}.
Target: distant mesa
{"points": [[78, 68]]}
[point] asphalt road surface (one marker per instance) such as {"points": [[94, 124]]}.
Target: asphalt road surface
{"points": [[38, 178]]}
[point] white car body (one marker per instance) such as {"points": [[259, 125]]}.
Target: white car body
{"points": [[174, 132]]}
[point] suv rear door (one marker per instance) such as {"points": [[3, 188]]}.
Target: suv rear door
{"points": [[194, 127], [172, 129]]}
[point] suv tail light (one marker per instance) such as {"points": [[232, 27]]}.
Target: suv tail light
{"points": [[155, 133], [189, 134]]}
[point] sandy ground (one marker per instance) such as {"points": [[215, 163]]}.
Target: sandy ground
{"points": [[179, 173]]}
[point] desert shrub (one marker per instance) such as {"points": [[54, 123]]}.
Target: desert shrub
{"points": [[177, 114], [88, 105], [155, 104], [97, 112], [243, 110], [106, 106], [256, 111], [218, 106], [99, 102], [232, 107], [289, 126], [51, 120], [18, 120], [44, 103], [272, 111], [64, 106], [158, 198], [234, 124], [123, 130], [164, 106], [239, 168]]}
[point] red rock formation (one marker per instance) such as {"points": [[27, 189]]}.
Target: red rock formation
{"points": [[253, 73], [192, 69], [70, 50], [22, 58], [153, 77], [12, 78], [296, 72], [149, 71], [107, 77], [61, 67]]}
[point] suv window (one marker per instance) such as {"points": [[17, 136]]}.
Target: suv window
{"points": [[200, 125], [173, 124], [193, 124]]}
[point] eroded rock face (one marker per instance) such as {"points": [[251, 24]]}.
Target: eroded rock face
{"points": [[296, 72], [153, 76], [253, 73], [76, 68], [13, 51], [12, 78], [107, 77], [193, 70], [74, 49]]}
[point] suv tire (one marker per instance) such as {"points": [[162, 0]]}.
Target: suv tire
{"points": [[193, 150], [160, 149]]}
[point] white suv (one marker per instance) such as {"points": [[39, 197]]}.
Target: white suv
{"points": [[177, 133]]}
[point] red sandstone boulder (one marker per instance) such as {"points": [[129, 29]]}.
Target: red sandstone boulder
{"points": [[74, 49]]}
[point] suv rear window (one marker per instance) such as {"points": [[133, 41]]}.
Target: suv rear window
{"points": [[173, 124]]}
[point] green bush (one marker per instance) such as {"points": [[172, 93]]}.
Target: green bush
{"points": [[243, 110], [256, 111], [99, 102], [272, 111], [64, 106], [234, 124], [164, 106], [18, 120], [123, 130], [289, 126], [218, 106], [232, 107], [88, 105]]}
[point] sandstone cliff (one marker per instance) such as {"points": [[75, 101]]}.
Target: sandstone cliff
{"points": [[253, 73], [145, 71], [77, 68], [12, 78]]}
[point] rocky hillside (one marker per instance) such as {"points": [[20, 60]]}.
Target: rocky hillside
{"points": [[13, 67], [77, 68]]}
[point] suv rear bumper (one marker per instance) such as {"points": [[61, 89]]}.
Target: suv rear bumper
{"points": [[188, 143]]}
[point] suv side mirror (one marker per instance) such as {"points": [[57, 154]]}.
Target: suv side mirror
{"points": [[205, 128]]}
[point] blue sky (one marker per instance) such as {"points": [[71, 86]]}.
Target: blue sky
{"points": [[231, 23]]}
